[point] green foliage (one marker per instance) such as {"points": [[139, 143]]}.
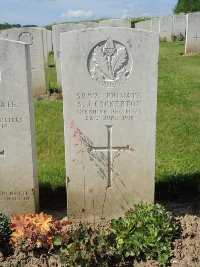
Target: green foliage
{"points": [[135, 20], [144, 233], [85, 248], [147, 231], [186, 6], [5, 26], [51, 77], [5, 231], [178, 37]]}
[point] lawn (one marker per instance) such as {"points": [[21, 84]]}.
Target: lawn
{"points": [[178, 125]]}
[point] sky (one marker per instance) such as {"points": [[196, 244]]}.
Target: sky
{"points": [[44, 12]]}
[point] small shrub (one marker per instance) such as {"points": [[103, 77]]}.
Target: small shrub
{"points": [[5, 231], [178, 37], [147, 231], [38, 231], [86, 247]]}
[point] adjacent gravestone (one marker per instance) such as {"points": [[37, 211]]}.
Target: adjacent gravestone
{"points": [[34, 38], [193, 33], [45, 47], [109, 92], [166, 28], [179, 25], [138, 25], [90, 24], [49, 41], [18, 176], [115, 23], [147, 25], [57, 30], [155, 24]]}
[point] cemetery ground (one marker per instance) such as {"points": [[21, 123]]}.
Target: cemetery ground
{"points": [[177, 157]]}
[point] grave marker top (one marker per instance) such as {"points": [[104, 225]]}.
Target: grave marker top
{"points": [[115, 23]]}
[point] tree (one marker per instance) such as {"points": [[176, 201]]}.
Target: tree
{"points": [[187, 6]]}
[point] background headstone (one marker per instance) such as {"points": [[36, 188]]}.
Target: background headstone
{"points": [[56, 31], [179, 25], [90, 24], [33, 37], [49, 41], [147, 25], [45, 46], [166, 28], [110, 99], [18, 176], [155, 24], [115, 23], [193, 33], [138, 25]]}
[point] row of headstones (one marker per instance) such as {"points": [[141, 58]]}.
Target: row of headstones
{"points": [[173, 26], [40, 42], [109, 80]]}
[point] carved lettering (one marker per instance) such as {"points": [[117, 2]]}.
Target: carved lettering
{"points": [[14, 196]]}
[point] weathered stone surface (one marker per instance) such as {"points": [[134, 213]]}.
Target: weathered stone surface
{"points": [[166, 24], [138, 25], [90, 24], [147, 25], [56, 31], [45, 46], [33, 37], [109, 93], [49, 40], [115, 23], [18, 175], [193, 33], [155, 24], [179, 25]]}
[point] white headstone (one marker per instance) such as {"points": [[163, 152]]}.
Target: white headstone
{"points": [[18, 176], [56, 31], [193, 33], [166, 24], [179, 25], [90, 24], [115, 23], [33, 37], [155, 24], [110, 99], [49, 41], [45, 46], [138, 25], [147, 25]]}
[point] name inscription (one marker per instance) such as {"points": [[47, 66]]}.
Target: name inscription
{"points": [[109, 106], [6, 121]]}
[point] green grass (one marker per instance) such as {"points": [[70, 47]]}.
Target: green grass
{"points": [[178, 126], [50, 143], [51, 79]]}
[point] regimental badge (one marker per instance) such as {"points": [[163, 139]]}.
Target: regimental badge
{"points": [[109, 63]]}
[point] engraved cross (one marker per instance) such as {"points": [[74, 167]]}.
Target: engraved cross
{"points": [[196, 37], [110, 149]]}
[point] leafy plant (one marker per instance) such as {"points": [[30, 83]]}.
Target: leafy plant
{"points": [[38, 231], [5, 231], [178, 37], [86, 247], [147, 231]]}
